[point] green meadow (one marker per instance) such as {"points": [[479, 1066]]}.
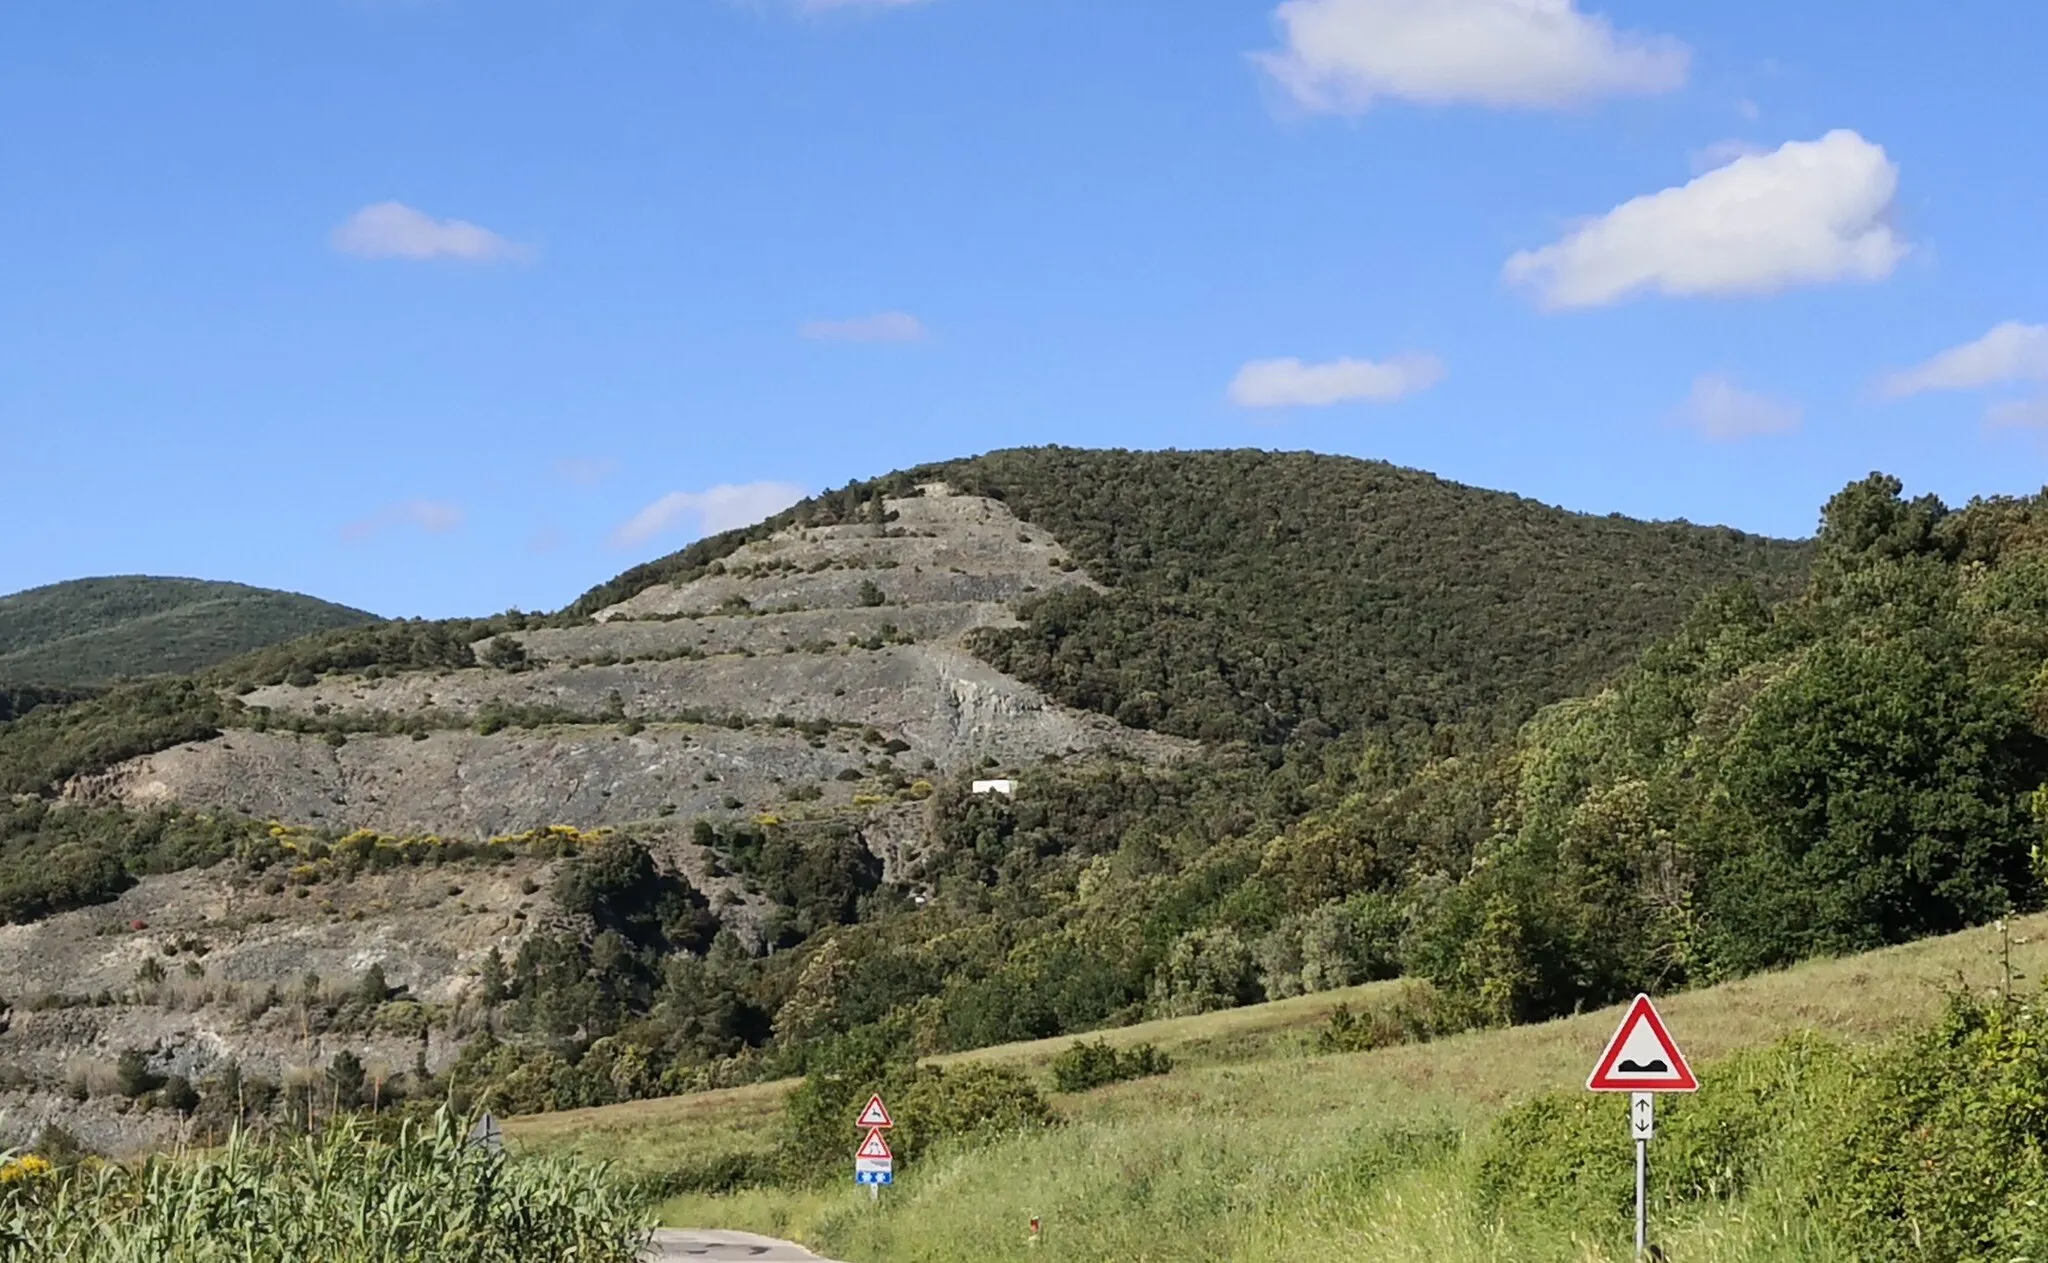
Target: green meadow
{"points": [[1479, 1146]]}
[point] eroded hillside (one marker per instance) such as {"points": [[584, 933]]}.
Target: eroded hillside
{"points": [[818, 679], [794, 668]]}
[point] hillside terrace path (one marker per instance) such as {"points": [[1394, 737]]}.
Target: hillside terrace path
{"points": [[673, 1245]]}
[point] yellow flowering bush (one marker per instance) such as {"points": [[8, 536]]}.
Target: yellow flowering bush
{"points": [[313, 857], [26, 1167]]}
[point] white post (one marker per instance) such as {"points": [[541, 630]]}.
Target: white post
{"points": [[1642, 1202]]}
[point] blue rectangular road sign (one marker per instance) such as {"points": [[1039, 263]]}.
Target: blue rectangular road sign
{"points": [[874, 1177]]}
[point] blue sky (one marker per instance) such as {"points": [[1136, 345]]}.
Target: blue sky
{"points": [[447, 306]]}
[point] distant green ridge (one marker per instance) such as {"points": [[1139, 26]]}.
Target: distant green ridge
{"points": [[89, 632]]}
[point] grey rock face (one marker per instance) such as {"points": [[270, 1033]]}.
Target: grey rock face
{"points": [[777, 685], [950, 708]]}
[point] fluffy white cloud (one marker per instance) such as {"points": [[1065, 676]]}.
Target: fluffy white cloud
{"points": [[1342, 55], [1290, 383], [887, 326], [720, 508], [2010, 352], [1805, 213], [393, 230], [1720, 409], [436, 517]]}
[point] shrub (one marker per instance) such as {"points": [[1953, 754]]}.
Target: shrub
{"points": [[1938, 1154], [1415, 1014], [132, 1075], [505, 653], [1092, 1065], [1926, 1149], [180, 1095], [1563, 1158], [965, 1103]]}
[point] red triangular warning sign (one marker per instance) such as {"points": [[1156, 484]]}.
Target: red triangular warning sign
{"points": [[1642, 1057], [875, 1115], [874, 1146]]}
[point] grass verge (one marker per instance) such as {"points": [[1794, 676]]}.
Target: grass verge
{"points": [[1301, 1157]]}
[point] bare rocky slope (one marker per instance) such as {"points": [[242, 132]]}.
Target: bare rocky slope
{"points": [[811, 675], [724, 684]]}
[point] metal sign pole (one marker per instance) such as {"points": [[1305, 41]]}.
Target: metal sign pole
{"points": [[1642, 1124]]}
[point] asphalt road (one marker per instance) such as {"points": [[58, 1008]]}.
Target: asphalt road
{"points": [[672, 1245]]}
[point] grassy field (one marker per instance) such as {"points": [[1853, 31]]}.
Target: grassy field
{"points": [[1255, 1032], [650, 1137], [1292, 1156]]}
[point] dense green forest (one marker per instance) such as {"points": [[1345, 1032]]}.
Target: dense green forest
{"points": [[95, 631], [1251, 593], [1858, 764]]}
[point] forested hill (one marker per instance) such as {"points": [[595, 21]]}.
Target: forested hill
{"points": [[1250, 593], [96, 631], [747, 789]]}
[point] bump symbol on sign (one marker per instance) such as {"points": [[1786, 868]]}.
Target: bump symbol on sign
{"points": [[1642, 1056], [873, 1164]]}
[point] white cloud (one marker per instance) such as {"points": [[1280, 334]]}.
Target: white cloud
{"points": [[2027, 414], [1720, 409], [720, 508], [436, 517], [1805, 213], [393, 230], [1342, 55], [1289, 383], [2010, 352], [888, 326]]}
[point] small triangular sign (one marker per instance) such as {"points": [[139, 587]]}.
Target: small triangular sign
{"points": [[875, 1146], [875, 1115], [487, 1133], [1642, 1056]]}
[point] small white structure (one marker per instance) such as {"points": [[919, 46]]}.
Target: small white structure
{"points": [[1006, 788]]}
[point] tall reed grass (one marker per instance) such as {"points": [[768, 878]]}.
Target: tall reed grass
{"points": [[423, 1195]]}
